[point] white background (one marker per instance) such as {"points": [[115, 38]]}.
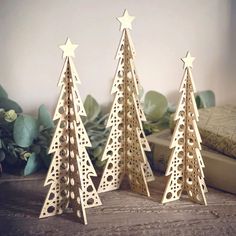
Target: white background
{"points": [[163, 31]]}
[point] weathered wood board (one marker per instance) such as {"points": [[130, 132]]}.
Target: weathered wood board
{"points": [[124, 213]]}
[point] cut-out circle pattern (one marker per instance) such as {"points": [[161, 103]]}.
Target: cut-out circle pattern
{"points": [[185, 164], [126, 143], [71, 169]]}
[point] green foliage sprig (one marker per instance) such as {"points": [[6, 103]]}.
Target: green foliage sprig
{"points": [[95, 124], [157, 110], [24, 139]]}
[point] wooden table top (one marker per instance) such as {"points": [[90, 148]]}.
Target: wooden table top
{"points": [[122, 213]]}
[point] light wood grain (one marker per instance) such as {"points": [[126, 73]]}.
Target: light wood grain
{"points": [[126, 144], [185, 166], [71, 169], [122, 213]]}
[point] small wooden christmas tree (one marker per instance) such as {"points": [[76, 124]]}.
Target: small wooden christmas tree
{"points": [[71, 169], [185, 164], [126, 143]]}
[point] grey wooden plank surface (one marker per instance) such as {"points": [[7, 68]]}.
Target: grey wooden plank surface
{"points": [[122, 213]]}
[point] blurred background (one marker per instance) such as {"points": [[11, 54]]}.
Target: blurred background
{"points": [[163, 31]]}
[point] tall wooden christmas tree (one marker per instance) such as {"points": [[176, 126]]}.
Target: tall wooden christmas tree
{"points": [[69, 174], [126, 144], [185, 166]]}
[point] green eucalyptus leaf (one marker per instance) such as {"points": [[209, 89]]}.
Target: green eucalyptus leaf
{"points": [[46, 158], [172, 122], [147, 128], [155, 105], [97, 152], [100, 163], [95, 144], [171, 108], [24, 155], [90, 125], [3, 93], [2, 155], [8, 104], [205, 99], [103, 119], [25, 130], [10, 116], [92, 108], [44, 117], [33, 164]]}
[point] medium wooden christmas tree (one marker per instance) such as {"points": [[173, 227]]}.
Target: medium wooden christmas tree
{"points": [[185, 166], [126, 144], [69, 174]]}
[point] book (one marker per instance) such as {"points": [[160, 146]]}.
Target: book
{"points": [[220, 170], [217, 126]]}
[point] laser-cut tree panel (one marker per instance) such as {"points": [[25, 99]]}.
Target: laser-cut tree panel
{"points": [[126, 143], [185, 166], [69, 174]]}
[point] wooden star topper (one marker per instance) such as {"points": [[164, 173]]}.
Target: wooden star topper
{"points": [[68, 49], [188, 60], [125, 21]]}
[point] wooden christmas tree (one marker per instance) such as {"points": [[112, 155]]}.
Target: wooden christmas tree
{"points": [[126, 144], [185, 166], [69, 174]]}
